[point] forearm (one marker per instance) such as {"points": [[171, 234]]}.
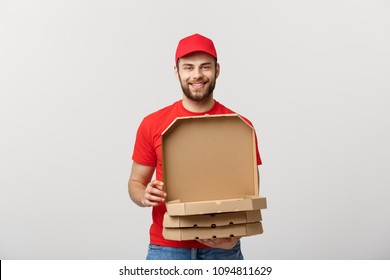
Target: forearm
{"points": [[137, 192], [142, 191]]}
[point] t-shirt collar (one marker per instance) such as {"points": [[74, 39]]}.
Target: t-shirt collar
{"points": [[186, 112]]}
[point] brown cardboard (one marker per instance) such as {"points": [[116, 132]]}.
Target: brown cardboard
{"points": [[209, 165], [212, 220], [176, 208], [217, 232]]}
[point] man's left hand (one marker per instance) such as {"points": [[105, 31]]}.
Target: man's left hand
{"points": [[221, 243]]}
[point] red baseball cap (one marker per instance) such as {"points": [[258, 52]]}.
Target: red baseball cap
{"points": [[195, 43]]}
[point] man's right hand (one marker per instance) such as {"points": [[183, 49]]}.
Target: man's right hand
{"points": [[145, 194], [154, 194]]}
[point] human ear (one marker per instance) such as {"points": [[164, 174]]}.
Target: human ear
{"points": [[176, 71], [217, 69]]}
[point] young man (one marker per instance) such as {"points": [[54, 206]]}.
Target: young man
{"points": [[197, 70]]}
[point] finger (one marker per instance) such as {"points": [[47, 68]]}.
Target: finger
{"points": [[208, 242], [223, 243], [157, 184], [155, 195], [150, 200], [226, 241], [155, 191]]}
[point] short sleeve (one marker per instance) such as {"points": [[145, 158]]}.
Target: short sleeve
{"points": [[144, 151]]}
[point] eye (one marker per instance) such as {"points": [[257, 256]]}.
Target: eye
{"points": [[187, 67]]}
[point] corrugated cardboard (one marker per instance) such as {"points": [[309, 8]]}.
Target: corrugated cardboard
{"points": [[209, 166], [175, 208], [217, 232], [212, 220]]}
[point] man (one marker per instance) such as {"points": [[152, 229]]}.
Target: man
{"points": [[197, 70]]}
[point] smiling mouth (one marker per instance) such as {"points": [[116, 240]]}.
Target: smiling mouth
{"points": [[197, 85]]}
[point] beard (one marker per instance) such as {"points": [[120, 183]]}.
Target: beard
{"points": [[201, 94]]}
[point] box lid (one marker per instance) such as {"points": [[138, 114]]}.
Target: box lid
{"points": [[177, 208], [209, 158]]}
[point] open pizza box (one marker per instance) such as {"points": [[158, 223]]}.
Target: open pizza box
{"points": [[209, 166]]}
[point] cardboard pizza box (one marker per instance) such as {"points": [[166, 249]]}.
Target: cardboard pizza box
{"points": [[210, 166], [194, 233], [212, 220]]}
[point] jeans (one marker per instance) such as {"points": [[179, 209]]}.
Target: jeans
{"points": [[156, 252]]}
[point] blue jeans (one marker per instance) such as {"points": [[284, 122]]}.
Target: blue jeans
{"points": [[156, 252]]}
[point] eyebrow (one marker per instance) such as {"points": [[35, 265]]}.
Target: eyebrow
{"points": [[202, 64]]}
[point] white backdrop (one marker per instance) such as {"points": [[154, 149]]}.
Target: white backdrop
{"points": [[77, 77]]}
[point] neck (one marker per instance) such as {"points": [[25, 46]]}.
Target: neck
{"points": [[198, 106]]}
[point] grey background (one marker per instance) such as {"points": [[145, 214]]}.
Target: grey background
{"points": [[77, 77]]}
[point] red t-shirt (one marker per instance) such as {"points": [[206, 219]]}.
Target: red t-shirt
{"points": [[147, 151]]}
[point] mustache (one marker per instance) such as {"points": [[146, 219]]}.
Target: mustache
{"points": [[204, 80]]}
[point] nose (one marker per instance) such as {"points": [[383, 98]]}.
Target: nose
{"points": [[197, 73]]}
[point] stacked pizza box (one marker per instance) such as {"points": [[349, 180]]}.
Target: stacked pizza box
{"points": [[211, 178]]}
